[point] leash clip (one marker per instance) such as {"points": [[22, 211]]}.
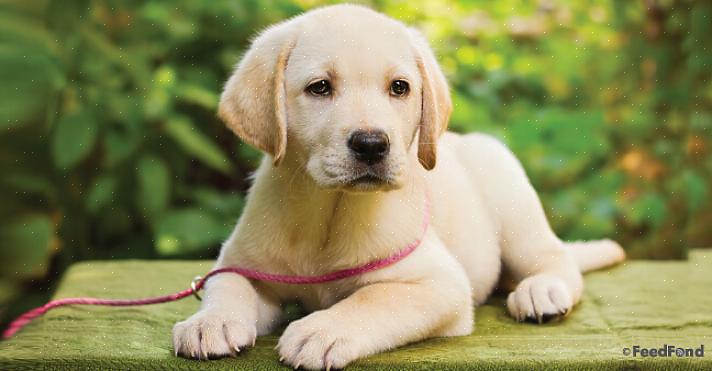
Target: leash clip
{"points": [[194, 287]]}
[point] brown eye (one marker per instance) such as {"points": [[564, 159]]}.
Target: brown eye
{"points": [[399, 88], [320, 88]]}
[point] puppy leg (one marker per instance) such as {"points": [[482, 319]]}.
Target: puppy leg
{"points": [[549, 281], [375, 318], [541, 297], [232, 315]]}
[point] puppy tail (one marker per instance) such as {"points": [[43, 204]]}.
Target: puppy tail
{"points": [[592, 255]]}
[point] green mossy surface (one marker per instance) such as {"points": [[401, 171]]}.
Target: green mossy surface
{"points": [[646, 303]]}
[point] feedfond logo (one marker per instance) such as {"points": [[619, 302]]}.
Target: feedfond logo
{"points": [[664, 351]]}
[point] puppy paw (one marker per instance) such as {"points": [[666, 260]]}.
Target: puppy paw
{"points": [[317, 341], [540, 298], [211, 334]]}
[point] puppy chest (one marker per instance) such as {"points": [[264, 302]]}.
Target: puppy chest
{"points": [[313, 296]]}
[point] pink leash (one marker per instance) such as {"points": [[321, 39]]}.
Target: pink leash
{"points": [[198, 284]]}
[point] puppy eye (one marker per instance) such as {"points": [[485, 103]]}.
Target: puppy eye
{"points": [[320, 88], [399, 88]]}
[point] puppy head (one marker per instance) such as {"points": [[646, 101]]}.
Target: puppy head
{"points": [[343, 92]]}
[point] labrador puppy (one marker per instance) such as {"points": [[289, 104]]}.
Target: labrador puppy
{"points": [[351, 108]]}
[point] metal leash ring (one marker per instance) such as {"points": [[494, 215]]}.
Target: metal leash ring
{"points": [[194, 287]]}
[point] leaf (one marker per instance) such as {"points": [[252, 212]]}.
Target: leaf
{"points": [[27, 31], [116, 222], [31, 71], [226, 204], [248, 154], [154, 185], [698, 190], [198, 95], [28, 84], [8, 290], [25, 245], [197, 144], [73, 138], [125, 132], [101, 193], [188, 230], [558, 145], [119, 145], [650, 208], [29, 182]]}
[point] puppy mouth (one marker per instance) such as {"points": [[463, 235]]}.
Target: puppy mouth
{"points": [[369, 182], [360, 178], [368, 179]]}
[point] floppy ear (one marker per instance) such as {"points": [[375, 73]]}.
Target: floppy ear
{"points": [[253, 103], [436, 104]]}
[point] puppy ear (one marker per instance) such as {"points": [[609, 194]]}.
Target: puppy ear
{"points": [[436, 102], [253, 103]]}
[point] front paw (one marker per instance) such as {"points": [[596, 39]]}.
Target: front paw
{"points": [[318, 341], [211, 334], [540, 298]]}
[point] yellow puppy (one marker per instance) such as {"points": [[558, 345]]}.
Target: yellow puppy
{"points": [[352, 108]]}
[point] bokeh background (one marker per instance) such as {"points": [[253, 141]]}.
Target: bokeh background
{"points": [[110, 147]]}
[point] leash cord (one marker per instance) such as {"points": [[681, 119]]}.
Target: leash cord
{"points": [[198, 284]]}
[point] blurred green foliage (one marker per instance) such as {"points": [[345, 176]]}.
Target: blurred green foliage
{"points": [[110, 147]]}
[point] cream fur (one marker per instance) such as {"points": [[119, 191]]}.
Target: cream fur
{"points": [[306, 216]]}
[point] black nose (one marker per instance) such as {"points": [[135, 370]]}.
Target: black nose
{"points": [[369, 146]]}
